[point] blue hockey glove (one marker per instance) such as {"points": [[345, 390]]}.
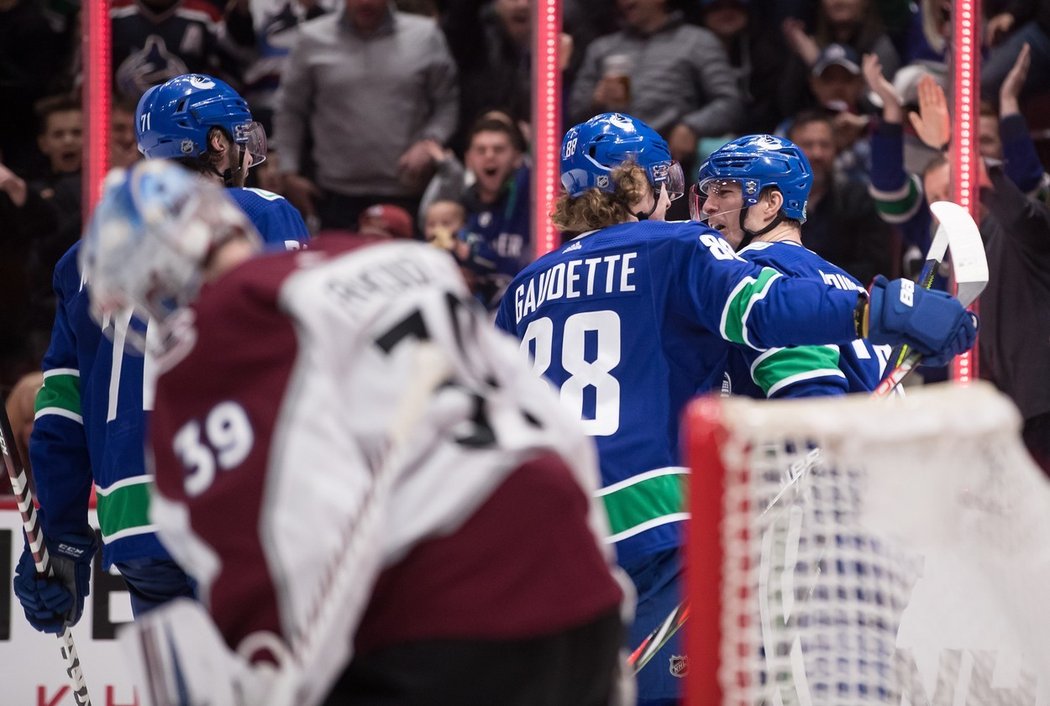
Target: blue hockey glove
{"points": [[51, 603], [932, 322]]}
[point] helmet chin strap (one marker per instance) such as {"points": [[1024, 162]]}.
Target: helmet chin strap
{"points": [[646, 215], [750, 235]]}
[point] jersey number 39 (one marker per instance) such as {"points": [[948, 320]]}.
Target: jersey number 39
{"points": [[583, 374]]}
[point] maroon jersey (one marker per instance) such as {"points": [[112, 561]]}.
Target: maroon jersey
{"points": [[349, 451]]}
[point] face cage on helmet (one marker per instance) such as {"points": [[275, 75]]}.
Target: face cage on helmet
{"points": [[698, 194], [668, 175]]}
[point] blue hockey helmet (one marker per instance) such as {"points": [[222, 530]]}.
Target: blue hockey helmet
{"points": [[755, 162], [173, 119], [591, 150]]}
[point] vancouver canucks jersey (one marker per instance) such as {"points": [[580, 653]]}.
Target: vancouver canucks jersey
{"points": [[808, 370], [629, 323], [90, 425]]}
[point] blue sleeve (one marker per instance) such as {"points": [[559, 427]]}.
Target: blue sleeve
{"points": [[1021, 161], [58, 447], [757, 306]]}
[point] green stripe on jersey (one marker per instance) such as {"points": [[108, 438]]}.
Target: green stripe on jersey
{"points": [[645, 501], [782, 366], [124, 510], [749, 291], [61, 390]]}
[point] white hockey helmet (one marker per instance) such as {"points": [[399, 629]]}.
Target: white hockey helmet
{"points": [[148, 241]]}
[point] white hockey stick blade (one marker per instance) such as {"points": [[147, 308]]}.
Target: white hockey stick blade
{"points": [[969, 264]]}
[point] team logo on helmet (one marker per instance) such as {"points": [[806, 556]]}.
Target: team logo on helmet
{"points": [[186, 146], [201, 82], [679, 666]]}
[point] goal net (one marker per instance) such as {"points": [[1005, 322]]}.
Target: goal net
{"points": [[867, 551]]}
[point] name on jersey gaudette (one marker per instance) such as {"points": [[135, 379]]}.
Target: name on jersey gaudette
{"points": [[573, 279]]}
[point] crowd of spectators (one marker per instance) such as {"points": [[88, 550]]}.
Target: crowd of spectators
{"points": [[422, 107]]}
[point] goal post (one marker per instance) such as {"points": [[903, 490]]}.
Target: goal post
{"points": [[866, 551]]}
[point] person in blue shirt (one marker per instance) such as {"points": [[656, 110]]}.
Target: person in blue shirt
{"points": [[766, 227], [92, 410], [635, 316]]}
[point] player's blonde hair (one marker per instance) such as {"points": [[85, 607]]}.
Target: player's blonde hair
{"points": [[596, 209]]}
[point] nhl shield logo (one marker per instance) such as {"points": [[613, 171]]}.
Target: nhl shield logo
{"points": [[602, 181], [679, 666], [186, 146]]}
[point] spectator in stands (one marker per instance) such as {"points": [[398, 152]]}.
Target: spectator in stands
{"points": [[838, 86], [492, 45], [755, 58], [16, 353], [31, 54], [674, 76], [155, 40], [275, 22], [842, 225], [123, 149], [52, 210], [1014, 346], [19, 407], [496, 241], [442, 221], [1009, 26], [375, 89], [853, 23]]}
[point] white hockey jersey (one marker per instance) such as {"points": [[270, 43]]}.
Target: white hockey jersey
{"points": [[345, 419]]}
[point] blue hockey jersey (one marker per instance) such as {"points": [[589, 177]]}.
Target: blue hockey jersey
{"points": [[809, 370], [629, 323], [90, 425]]}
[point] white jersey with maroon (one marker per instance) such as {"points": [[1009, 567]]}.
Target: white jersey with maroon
{"points": [[349, 450]]}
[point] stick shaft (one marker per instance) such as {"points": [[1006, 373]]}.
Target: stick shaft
{"points": [[31, 524]]}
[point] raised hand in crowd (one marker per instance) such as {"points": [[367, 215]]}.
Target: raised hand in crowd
{"points": [[997, 27], [892, 108], [13, 185], [932, 123], [804, 45], [1014, 82]]}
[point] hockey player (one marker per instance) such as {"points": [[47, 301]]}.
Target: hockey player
{"points": [[635, 316], [767, 228], [90, 418], [368, 484]]}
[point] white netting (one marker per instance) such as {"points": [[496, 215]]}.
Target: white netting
{"points": [[892, 551]]}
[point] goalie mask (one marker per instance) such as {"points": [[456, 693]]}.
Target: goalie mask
{"points": [[147, 245], [592, 150]]}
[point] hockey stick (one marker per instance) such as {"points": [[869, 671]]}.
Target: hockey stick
{"points": [[659, 637], [969, 266], [30, 523], [934, 257]]}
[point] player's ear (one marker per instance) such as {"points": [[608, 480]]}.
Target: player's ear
{"points": [[217, 141]]}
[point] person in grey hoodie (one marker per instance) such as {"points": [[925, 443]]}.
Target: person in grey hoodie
{"points": [[374, 88], [672, 75]]}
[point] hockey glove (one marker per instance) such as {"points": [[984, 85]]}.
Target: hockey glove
{"points": [[51, 603], [933, 323]]}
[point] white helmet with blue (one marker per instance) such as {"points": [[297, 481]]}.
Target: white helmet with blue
{"points": [[149, 239]]}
